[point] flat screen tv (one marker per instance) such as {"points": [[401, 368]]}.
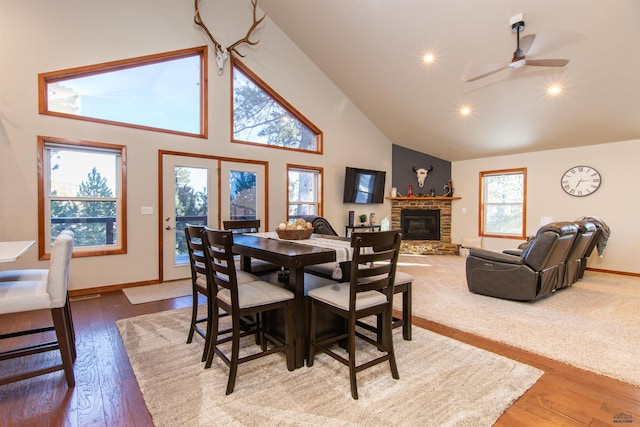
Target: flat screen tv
{"points": [[363, 186]]}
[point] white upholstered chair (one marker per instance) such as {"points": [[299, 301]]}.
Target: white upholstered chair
{"points": [[39, 289]]}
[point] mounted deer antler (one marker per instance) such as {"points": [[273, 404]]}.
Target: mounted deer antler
{"points": [[222, 53]]}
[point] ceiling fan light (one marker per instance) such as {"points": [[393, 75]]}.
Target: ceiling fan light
{"points": [[517, 64]]}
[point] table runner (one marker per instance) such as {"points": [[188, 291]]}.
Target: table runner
{"points": [[342, 248]]}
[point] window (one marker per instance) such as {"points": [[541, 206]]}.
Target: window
{"points": [[304, 185], [81, 187], [261, 116], [503, 203], [164, 92]]}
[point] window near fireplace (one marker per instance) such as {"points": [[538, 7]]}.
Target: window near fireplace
{"points": [[503, 203]]}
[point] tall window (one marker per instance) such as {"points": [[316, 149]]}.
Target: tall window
{"points": [[81, 187], [164, 92], [503, 203], [304, 185], [261, 116]]}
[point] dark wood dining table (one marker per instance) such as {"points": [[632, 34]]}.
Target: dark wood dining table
{"points": [[293, 257]]}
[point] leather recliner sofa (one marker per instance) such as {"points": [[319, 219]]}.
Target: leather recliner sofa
{"points": [[533, 274]]}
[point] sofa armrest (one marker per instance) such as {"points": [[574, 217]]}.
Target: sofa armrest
{"points": [[516, 252], [488, 255]]}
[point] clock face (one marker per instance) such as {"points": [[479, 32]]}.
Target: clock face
{"points": [[580, 181]]}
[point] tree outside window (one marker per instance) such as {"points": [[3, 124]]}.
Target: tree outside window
{"points": [[81, 188], [261, 116], [503, 203]]}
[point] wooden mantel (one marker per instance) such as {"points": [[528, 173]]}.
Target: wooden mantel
{"points": [[426, 198]]}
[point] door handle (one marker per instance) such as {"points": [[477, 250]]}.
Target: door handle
{"points": [[168, 227]]}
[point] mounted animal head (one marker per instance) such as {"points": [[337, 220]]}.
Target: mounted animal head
{"points": [[222, 52], [422, 174]]}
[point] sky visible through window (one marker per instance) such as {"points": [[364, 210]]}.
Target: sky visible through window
{"points": [[164, 95], [69, 168]]}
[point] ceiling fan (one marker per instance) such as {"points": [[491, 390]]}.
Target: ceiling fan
{"points": [[519, 59]]}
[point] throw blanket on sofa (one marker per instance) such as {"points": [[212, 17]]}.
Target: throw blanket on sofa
{"points": [[601, 245]]}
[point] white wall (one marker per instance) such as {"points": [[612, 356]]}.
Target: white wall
{"points": [[39, 36], [616, 202]]}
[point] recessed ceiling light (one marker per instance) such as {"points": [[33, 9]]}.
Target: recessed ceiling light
{"points": [[465, 110], [554, 90], [428, 58]]}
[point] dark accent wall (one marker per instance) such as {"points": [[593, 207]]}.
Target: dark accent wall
{"points": [[402, 162]]}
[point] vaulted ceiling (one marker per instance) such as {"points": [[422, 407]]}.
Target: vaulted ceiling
{"points": [[372, 50]]}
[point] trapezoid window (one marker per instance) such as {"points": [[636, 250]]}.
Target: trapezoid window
{"points": [[261, 116], [164, 92]]}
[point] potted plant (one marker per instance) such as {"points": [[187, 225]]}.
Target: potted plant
{"points": [[363, 218]]}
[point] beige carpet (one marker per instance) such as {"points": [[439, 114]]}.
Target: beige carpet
{"points": [[166, 290], [442, 383], [593, 324]]}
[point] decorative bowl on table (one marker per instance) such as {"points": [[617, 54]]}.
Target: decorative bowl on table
{"points": [[294, 234]]}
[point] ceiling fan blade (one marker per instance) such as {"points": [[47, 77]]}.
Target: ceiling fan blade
{"points": [[547, 62], [486, 74], [526, 42]]}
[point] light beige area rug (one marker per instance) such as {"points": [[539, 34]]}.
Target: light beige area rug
{"points": [[166, 290], [443, 382], [593, 324]]}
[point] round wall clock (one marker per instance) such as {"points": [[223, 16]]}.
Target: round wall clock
{"points": [[580, 181]]}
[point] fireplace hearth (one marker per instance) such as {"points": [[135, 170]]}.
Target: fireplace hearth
{"points": [[420, 224]]}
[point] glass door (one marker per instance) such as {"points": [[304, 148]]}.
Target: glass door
{"points": [[205, 191], [243, 192], [190, 193]]}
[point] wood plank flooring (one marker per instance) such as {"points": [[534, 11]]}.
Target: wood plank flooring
{"points": [[107, 394]]}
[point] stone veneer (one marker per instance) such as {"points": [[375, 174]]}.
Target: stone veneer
{"points": [[426, 247]]}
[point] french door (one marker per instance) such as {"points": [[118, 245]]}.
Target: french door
{"points": [[201, 190]]}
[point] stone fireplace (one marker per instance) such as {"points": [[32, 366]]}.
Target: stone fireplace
{"points": [[417, 217]]}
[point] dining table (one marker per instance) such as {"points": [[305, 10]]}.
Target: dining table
{"points": [[293, 258], [10, 251]]}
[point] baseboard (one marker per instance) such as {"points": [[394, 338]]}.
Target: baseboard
{"points": [[623, 273], [88, 291]]}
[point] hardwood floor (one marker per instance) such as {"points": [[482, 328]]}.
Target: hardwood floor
{"points": [[107, 394]]}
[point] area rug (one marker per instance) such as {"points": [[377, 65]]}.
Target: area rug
{"points": [[593, 324], [166, 290], [442, 382]]}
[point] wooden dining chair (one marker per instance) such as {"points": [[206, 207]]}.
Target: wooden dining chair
{"points": [[368, 293], [403, 284], [250, 226], [201, 285], [24, 291], [254, 298]]}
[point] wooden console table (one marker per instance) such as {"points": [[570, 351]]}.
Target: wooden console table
{"points": [[360, 227], [421, 198]]}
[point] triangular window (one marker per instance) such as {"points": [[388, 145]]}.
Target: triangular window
{"points": [[261, 116]]}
